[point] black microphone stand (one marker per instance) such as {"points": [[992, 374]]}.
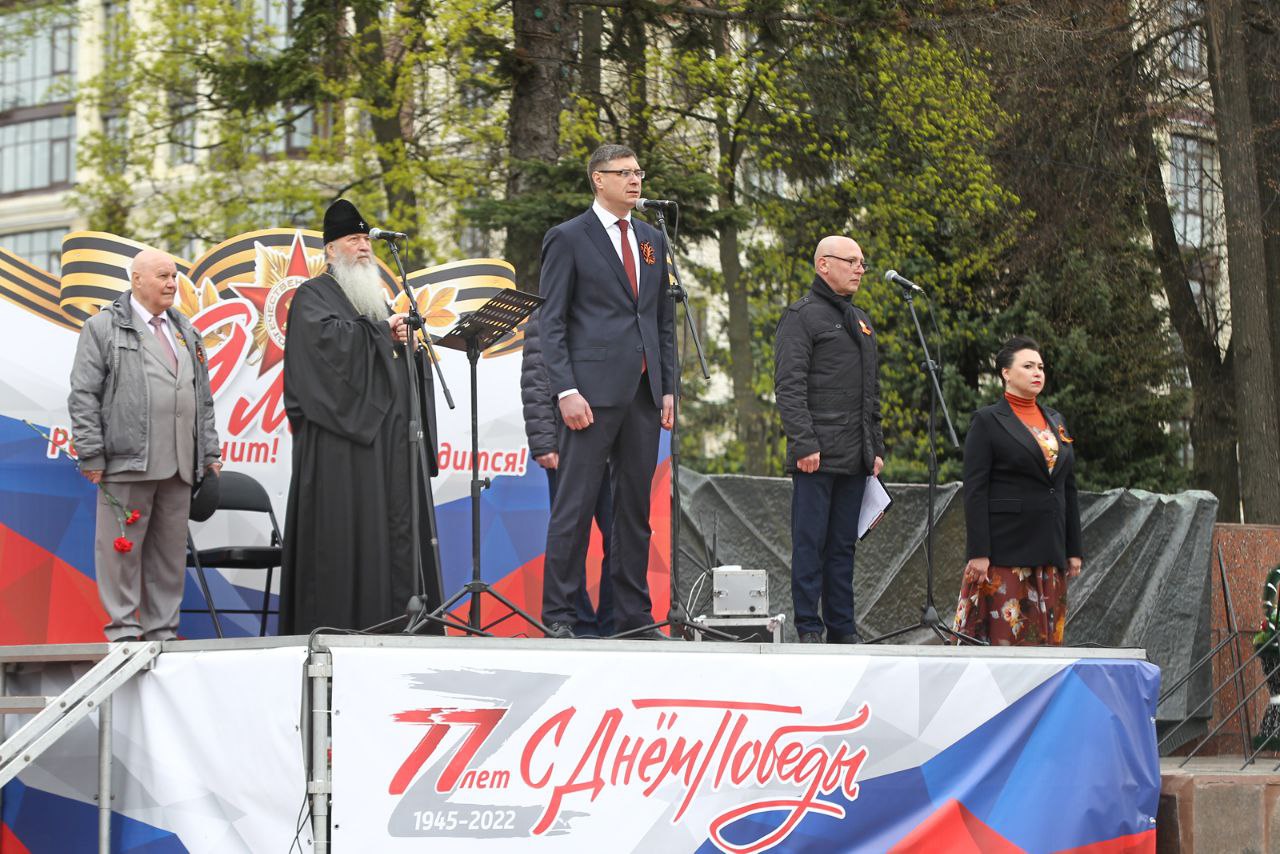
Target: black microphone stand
{"points": [[677, 619], [417, 610], [929, 611]]}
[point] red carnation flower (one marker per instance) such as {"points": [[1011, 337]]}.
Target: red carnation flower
{"points": [[134, 516], [123, 545]]}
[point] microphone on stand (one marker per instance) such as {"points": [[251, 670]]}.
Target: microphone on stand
{"points": [[655, 204], [892, 276], [389, 236]]}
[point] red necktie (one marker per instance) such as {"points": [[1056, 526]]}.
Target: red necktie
{"points": [[158, 323], [628, 260], [629, 264]]}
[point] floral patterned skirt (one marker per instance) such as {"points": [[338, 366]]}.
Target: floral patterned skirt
{"points": [[1017, 606]]}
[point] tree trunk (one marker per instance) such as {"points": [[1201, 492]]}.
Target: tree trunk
{"points": [[1254, 368], [634, 42], [388, 129], [748, 414], [1262, 42], [591, 51], [533, 124], [1213, 427]]}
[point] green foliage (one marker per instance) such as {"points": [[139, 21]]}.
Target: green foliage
{"points": [[1082, 279], [282, 123], [1110, 369], [774, 128], [902, 166]]}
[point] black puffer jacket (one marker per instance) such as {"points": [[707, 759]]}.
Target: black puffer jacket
{"points": [[541, 414], [827, 382]]}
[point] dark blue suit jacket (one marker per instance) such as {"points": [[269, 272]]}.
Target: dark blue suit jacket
{"points": [[595, 336], [1016, 512]]}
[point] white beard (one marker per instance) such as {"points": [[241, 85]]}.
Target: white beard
{"points": [[362, 283]]}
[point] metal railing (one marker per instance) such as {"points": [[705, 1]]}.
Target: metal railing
{"points": [[1251, 747]]}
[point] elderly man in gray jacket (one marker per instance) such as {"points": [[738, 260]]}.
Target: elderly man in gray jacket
{"points": [[142, 418]]}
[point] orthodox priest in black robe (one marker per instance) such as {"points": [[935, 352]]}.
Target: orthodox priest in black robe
{"points": [[348, 543]]}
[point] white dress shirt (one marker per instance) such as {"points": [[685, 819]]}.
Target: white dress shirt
{"points": [[610, 223]]}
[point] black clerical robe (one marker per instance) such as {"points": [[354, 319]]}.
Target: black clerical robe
{"points": [[348, 547]]}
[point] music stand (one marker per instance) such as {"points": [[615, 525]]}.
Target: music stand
{"points": [[475, 333]]}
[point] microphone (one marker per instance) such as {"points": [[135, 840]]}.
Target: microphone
{"points": [[892, 276], [383, 234], [655, 204]]}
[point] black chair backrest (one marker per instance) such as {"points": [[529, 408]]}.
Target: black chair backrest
{"points": [[239, 491]]}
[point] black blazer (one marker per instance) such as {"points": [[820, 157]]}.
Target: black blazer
{"points": [[1016, 513], [595, 335]]}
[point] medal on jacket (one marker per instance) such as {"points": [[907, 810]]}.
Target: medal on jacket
{"points": [[866, 330], [1062, 434], [646, 253]]}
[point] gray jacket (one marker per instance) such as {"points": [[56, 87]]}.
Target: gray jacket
{"points": [[109, 402]]}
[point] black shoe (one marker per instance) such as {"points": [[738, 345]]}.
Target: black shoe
{"points": [[810, 637], [126, 639], [852, 637], [650, 635], [560, 631]]}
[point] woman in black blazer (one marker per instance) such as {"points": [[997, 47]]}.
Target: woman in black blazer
{"points": [[1022, 517]]}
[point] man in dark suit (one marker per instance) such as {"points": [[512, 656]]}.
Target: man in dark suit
{"points": [[541, 423], [609, 348], [827, 384]]}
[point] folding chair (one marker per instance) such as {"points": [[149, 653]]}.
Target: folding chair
{"points": [[236, 491]]}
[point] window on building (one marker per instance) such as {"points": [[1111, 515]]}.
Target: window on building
{"points": [[1191, 190], [38, 61], [1188, 54], [37, 154], [276, 16], [182, 133], [37, 72], [475, 242], [42, 248]]}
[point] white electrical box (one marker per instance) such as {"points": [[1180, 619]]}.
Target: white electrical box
{"points": [[738, 592]]}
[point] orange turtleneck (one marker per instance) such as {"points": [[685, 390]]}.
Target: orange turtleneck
{"points": [[1027, 411]]}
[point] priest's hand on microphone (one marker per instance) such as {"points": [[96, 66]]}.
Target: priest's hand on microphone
{"points": [[399, 327]]}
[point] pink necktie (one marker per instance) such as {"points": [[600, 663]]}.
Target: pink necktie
{"points": [[158, 323]]}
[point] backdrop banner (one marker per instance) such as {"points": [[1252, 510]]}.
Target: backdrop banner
{"points": [[238, 295], [720, 750]]}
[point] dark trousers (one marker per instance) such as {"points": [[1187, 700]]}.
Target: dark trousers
{"points": [[594, 621], [623, 441], [824, 534]]}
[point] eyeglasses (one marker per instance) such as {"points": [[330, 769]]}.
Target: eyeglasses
{"points": [[855, 263], [625, 173]]}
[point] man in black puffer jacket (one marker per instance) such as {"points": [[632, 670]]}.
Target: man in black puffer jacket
{"points": [[827, 385], [541, 418]]}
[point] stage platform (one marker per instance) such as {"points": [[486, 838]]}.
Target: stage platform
{"points": [[390, 743]]}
